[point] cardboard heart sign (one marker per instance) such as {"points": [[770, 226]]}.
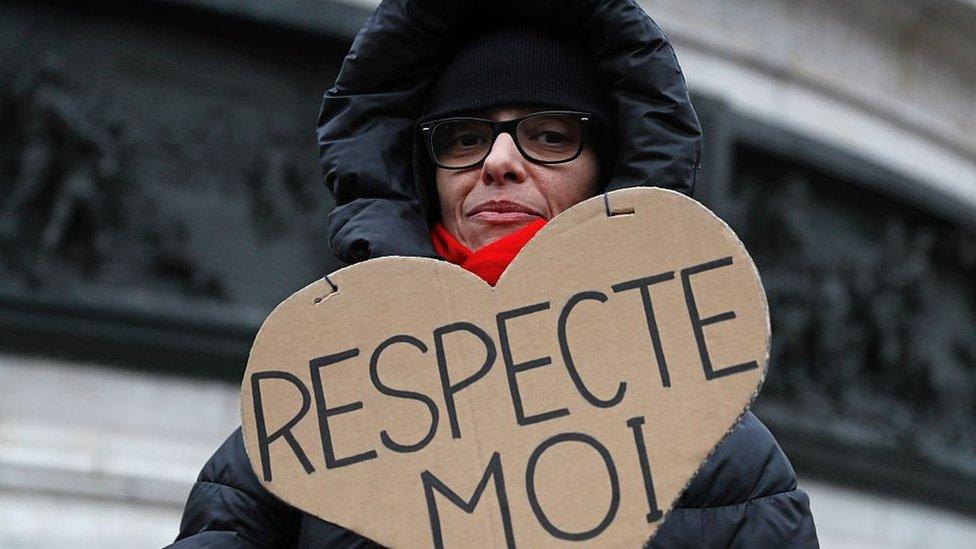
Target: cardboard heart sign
{"points": [[574, 401]]}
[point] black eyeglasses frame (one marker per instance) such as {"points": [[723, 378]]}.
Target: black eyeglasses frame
{"points": [[586, 120]]}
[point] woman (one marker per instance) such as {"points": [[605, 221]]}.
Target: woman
{"points": [[515, 126]]}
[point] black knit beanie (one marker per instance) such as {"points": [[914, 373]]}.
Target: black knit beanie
{"points": [[519, 65]]}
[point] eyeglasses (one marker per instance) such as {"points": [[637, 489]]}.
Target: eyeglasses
{"points": [[548, 137]]}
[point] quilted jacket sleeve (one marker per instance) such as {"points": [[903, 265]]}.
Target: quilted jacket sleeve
{"points": [[745, 496], [228, 507]]}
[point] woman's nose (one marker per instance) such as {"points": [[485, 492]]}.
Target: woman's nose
{"points": [[504, 164]]}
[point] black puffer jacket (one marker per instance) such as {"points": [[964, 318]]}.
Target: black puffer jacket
{"points": [[746, 494]]}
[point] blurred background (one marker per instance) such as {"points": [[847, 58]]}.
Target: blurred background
{"points": [[159, 194]]}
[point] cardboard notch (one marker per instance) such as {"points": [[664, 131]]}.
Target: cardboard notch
{"points": [[614, 213]]}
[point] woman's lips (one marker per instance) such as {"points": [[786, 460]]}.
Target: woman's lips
{"points": [[503, 212], [504, 218]]}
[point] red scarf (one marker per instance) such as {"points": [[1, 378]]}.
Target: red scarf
{"points": [[489, 261]]}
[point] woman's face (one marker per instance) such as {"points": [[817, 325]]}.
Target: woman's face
{"points": [[507, 191]]}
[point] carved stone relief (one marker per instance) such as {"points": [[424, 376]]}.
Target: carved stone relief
{"points": [[131, 170], [873, 305]]}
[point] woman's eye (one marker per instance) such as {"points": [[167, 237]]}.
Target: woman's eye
{"points": [[467, 140], [550, 137]]}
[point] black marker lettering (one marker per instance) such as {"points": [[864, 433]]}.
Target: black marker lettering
{"points": [[324, 412], [534, 499], [568, 357], [644, 285], [511, 368], [654, 513], [264, 439], [697, 323], [452, 389], [494, 470], [400, 393]]}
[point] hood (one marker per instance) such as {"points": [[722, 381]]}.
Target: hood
{"points": [[369, 147]]}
